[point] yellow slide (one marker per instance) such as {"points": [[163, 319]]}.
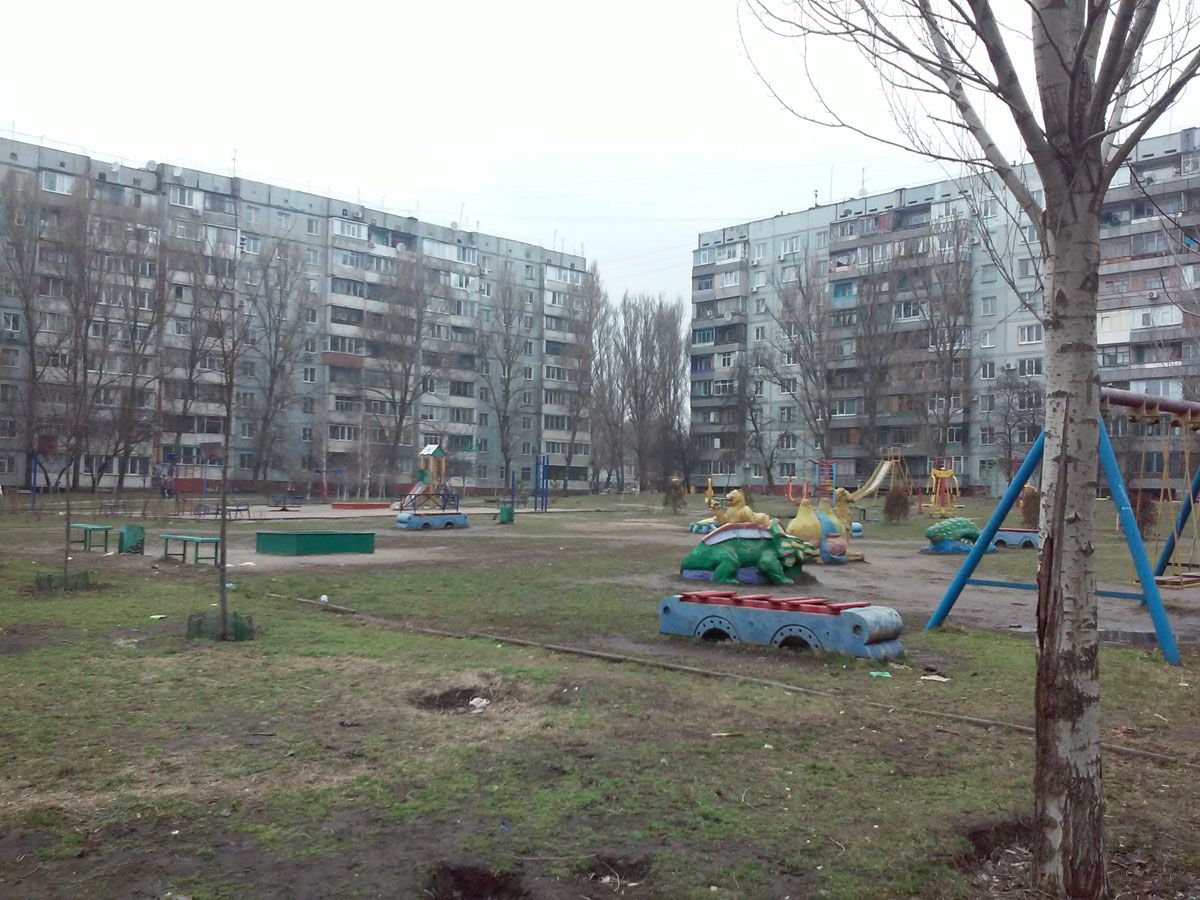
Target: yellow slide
{"points": [[874, 481]]}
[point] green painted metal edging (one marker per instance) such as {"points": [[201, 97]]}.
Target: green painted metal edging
{"points": [[314, 543]]}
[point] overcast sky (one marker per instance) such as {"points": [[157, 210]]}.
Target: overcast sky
{"points": [[616, 129]]}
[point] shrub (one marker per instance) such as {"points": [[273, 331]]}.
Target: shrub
{"points": [[897, 505]]}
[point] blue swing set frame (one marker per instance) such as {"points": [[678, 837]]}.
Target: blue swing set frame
{"points": [[1150, 595]]}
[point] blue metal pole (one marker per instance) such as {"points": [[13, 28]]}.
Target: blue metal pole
{"points": [[989, 532], [1185, 510], [1133, 537]]}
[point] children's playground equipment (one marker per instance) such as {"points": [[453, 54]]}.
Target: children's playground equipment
{"points": [[1182, 413], [746, 554], [827, 530], [956, 535], [430, 503], [943, 490], [800, 623], [541, 489], [735, 509], [1023, 538]]}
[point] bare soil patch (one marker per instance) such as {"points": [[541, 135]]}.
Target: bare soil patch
{"points": [[16, 639], [455, 697], [466, 882], [1001, 862]]}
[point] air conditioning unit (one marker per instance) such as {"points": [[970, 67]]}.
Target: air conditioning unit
{"points": [[755, 262], [358, 214], [1151, 295], [754, 289], [782, 257], [976, 241]]}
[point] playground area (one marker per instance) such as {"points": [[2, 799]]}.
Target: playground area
{"points": [[340, 753]]}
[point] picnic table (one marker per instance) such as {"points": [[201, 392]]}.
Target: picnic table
{"points": [[238, 510], [85, 539], [197, 541]]}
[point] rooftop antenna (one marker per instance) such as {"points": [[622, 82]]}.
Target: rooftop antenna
{"points": [[831, 182], [234, 169], [862, 185]]}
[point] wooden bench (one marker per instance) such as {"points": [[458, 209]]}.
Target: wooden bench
{"points": [[197, 541], [85, 539]]}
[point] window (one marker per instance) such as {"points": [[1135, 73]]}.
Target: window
{"points": [[310, 374], [1026, 268], [730, 279], [725, 360], [246, 429], [989, 207], [251, 243], [217, 203], [10, 357], [311, 316], [58, 182], [283, 221], [844, 406], [1115, 356], [347, 229], [11, 322], [703, 335], [1029, 334], [989, 339], [462, 389], [988, 273], [987, 306], [1030, 366], [308, 405], [182, 196], [760, 332], [987, 370], [312, 226], [760, 250], [987, 434], [343, 432], [845, 290], [907, 310], [348, 287], [306, 434], [987, 403]]}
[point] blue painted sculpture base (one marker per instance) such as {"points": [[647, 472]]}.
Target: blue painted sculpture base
{"points": [[948, 546], [431, 520], [1025, 538], [868, 631], [745, 575], [701, 527]]}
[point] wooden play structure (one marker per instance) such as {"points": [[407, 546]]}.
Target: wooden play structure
{"points": [[430, 503]]}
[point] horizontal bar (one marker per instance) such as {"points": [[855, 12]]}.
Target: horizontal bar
{"points": [[1137, 401], [1030, 586]]}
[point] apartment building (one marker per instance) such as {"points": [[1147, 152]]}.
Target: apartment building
{"points": [[114, 279], [929, 331]]}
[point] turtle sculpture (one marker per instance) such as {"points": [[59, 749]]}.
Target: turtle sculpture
{"points": [[955, 535], [747, 554]]}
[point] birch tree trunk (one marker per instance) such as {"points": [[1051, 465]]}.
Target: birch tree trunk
{"points": [[1069, 856]]}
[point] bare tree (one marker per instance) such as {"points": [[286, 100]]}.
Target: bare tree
{"points": [[398, 372], [1103, 74], [499, 349], [227, 317], [940, 291], [281, 299], [652, 369], [798, 355], [589, 311], [1015, 415], [873, 347], [608, 420], [27, 219]]}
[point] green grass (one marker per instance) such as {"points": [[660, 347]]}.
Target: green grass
{"points": [[305, 745]]}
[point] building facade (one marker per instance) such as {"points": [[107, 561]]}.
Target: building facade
{"points": [[908, 324], [145, 310]]}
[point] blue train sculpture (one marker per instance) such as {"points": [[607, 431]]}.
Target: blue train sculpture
{"points": [[803, 623]]}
